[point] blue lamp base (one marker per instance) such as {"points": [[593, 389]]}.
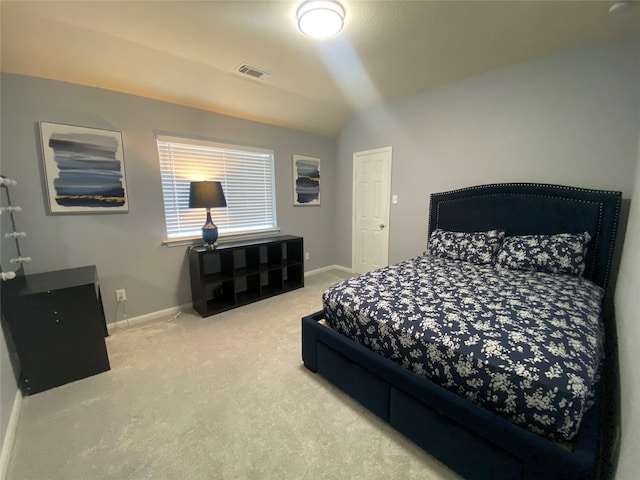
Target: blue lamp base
{"points": [[209, 232]]}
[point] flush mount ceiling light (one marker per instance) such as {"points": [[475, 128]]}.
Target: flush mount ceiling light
{"points": [[320, 18]]}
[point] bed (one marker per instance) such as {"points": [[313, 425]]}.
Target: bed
{"points": [[569, 434]]}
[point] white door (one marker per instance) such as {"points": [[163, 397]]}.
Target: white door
{"points": [[371, 197]]}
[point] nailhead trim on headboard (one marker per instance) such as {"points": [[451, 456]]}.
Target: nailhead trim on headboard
{"points": [[516, 184], [555, 195]]}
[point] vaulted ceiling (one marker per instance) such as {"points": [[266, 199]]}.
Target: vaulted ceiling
{"points": [[186, 52]]}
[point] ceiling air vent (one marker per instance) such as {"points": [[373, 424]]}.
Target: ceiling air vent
{"points": [[252, 71]]}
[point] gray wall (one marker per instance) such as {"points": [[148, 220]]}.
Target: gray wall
{"points": [[8, 385], [8, 389], [571, 118], [127, 247], [628, 315]]}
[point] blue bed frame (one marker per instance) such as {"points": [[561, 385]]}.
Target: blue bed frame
{"points": [[473, 442]]}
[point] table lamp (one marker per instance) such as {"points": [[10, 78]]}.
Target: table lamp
{"points": [[207, 195]]}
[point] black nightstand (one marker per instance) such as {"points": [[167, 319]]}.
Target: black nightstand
{"points": [[57, 325]]}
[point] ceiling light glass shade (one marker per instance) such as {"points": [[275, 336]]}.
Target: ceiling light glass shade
{"points": [[320, 18]]}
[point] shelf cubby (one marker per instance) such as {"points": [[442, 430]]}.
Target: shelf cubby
{"points": [[239, 273]]}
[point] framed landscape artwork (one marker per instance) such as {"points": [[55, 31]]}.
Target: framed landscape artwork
{"points": [[84, 169], [306, 180]]}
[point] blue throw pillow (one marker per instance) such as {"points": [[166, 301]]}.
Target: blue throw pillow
{"points": [[474, 247], [561, 253]]}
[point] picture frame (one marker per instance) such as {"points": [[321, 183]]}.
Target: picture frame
{"points": [[306, 181], [84, 169]]}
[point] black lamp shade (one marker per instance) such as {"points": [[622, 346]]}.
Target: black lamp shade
{"points": [[206, 195]]}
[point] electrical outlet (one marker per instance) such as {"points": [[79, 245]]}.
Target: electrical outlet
{"points": [[121, 295], [306, 255]]}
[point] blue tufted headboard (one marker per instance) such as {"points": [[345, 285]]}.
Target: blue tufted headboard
{"points": [[533, 208]]}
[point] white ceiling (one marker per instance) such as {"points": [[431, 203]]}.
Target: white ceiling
{"points": [[186, 52]]}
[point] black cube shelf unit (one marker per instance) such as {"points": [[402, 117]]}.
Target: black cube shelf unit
{"points": [[238, 273]]}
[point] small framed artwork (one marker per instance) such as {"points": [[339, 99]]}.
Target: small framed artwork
{"points": [[84, 169], [306, 180]]}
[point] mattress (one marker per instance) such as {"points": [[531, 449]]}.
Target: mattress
{"points": [[524, 345]]}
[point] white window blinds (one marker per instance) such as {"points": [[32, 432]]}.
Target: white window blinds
{"points": [[247, 179]]}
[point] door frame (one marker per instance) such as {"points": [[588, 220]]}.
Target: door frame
{"points": [[356, 156]]}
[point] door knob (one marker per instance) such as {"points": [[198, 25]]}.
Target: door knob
{"points": [[381, 226]]}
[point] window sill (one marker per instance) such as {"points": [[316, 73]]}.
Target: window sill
{"points": [[222, 239]]}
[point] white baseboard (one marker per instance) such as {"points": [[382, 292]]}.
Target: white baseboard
{"points": [[326, 269], [148, 317], [174, 311], [10, 435]]}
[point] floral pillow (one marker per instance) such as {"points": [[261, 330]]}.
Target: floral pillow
{"points": [[473, 247], [561, 253]]}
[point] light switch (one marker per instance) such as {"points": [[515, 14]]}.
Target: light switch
{"points": [[394, 199]]}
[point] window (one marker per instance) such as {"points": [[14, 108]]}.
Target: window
{"points": [[247, 179]]}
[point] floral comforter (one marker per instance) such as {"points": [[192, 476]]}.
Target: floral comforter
{"points": [[524, 345]]}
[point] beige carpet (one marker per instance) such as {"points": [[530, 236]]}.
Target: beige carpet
{"points": [[223, 397]]}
